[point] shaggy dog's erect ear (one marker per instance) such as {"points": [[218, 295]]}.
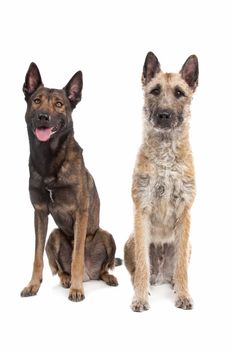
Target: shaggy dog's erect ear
{"points": [[151, 68], [189, 71]]}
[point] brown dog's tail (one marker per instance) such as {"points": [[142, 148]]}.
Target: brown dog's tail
{"points": [[118, 262]]}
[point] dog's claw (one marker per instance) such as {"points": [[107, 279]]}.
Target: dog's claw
{"points": [[184, 302], [65, 280], [30, 290], [139, 305], [112, 281], [76, 295]]}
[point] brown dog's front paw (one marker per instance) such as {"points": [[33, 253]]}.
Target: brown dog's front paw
{"points": [[76, 294], [30, 290], [184, 302], [140, 305]]}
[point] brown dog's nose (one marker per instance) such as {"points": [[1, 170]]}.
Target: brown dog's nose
{"points": [[43, 117]]}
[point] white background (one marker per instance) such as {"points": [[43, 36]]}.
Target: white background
{"points": [[108, 41]]}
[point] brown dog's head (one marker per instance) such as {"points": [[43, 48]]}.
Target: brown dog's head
{"points": [[168, 95], [49, 110]]}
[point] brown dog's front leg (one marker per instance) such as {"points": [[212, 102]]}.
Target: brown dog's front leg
{"points": [[183, 299], [41, 225], [77, 265]]}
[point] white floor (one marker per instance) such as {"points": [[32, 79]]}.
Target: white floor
{"points": [[104, 319]]}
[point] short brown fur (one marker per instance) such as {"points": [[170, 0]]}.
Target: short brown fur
{"points": [[163, 187], [60, 185]]}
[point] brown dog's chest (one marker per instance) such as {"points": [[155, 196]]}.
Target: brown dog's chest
{"points": [[60, 202], [64, 197], [64, 194]]}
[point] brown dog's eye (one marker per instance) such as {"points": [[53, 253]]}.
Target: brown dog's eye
{"points": [[59, 104], [178, 93], [156, 91], [37, 101]]}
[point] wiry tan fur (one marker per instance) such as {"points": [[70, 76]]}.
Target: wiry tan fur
{"points": [[163, 191]]}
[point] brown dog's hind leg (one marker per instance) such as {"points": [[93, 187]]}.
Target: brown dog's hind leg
{"points": [[59, 252], [109, 262], [100, 256], [129, 256]]}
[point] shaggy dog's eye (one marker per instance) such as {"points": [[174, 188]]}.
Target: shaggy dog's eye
{"points": [[156, 91], [178, 93]]}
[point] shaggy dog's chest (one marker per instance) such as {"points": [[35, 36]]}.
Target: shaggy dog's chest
{"points": [[163, 193]]}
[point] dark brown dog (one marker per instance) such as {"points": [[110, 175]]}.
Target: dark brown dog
{"points": [[60, 185]]}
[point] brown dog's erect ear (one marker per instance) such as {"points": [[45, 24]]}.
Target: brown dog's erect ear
{"points": [[150, 68], [32, 80], [73, 89], [189, 71]]}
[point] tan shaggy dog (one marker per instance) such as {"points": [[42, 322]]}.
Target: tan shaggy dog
{"points": [[163, 187]]}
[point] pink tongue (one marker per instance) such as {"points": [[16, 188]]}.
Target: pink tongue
{"points": [[43, 134]]}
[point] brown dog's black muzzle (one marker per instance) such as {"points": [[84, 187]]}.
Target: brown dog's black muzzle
{"points": [[45, 125], [43, 117]]}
